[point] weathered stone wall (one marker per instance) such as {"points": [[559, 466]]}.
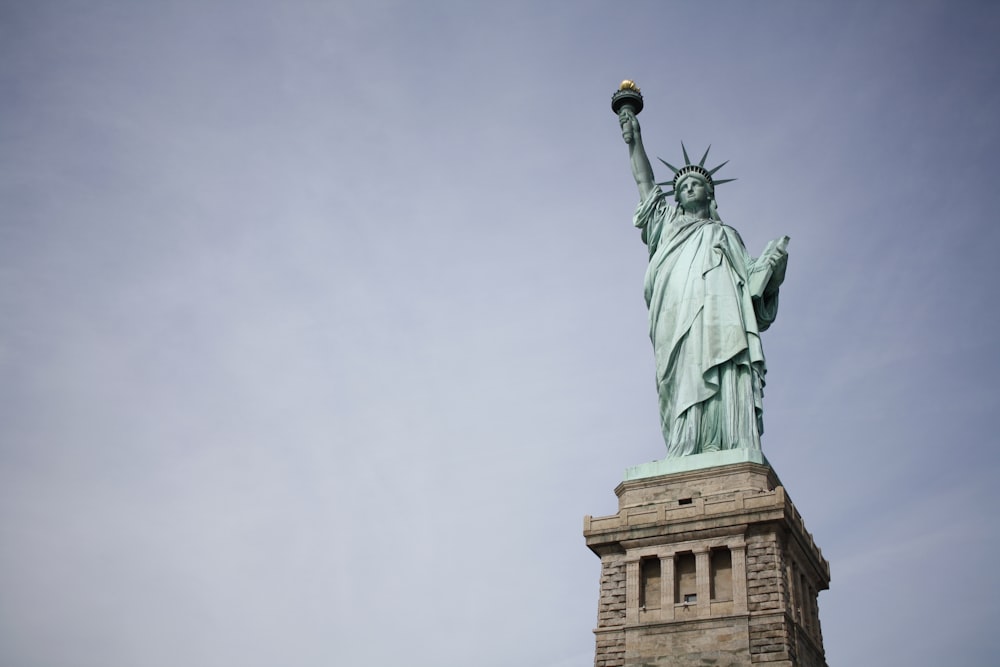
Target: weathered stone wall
{"points": [[770, 633], [767, 611], [715, 642], [611, 614], [765, 583], [807, 654], [770, 640]]}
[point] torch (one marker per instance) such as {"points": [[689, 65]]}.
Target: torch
{"points": [[627, 97]]}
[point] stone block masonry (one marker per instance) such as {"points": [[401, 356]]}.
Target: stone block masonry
{"points": [[707, 567]]}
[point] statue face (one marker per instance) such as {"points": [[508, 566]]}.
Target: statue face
{"points": [[692, 191]]}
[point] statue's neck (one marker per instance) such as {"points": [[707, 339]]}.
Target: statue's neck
{"points": [[697, 212]]}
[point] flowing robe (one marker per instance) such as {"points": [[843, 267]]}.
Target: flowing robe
{"points": [[705, 327]]}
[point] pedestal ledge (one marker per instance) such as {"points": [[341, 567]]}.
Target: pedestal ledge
{"points": [[695, 462]]}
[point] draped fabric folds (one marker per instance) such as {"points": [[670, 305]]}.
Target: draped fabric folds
{"points": [[705, 327]]}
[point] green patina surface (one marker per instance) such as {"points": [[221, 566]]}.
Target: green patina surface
{"points": [[708, 301], [694, 462]]}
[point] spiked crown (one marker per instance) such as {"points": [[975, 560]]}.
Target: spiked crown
{"points": [[691, 168]]}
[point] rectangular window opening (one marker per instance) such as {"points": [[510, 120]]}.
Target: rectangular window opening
{"points": [[721, 574], [685, 579], [649, 588]]}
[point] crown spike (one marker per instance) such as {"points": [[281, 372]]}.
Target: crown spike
{"points": [[691, 168], [672, 167], [705, 156], [712, 171]]}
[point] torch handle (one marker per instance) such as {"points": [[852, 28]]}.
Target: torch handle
{"points": [[628, 136]]}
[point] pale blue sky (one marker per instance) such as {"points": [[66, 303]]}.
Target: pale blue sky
{"points": [[323, 322]]}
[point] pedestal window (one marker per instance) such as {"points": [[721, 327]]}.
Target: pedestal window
{"points": [[650, 580], [685, 578], [721, 564]]}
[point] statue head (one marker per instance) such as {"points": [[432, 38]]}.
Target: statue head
{"points": [[703, 188], [695, 195], [694, 171]]}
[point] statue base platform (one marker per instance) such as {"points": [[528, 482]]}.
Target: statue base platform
{"points": [[708, 565], [695, 462]]}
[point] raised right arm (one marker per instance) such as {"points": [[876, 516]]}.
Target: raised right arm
{"points": [[641, 169]]}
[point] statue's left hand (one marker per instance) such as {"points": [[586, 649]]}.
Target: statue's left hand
{"points": [[775, 257]]}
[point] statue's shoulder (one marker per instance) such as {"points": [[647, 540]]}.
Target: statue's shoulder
{"points": [[732, 231], [670, 210]]}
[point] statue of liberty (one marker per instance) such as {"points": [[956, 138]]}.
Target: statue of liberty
{"points": [[708, 302]]}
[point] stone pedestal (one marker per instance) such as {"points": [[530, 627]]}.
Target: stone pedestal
{"points": [[707, 567]]}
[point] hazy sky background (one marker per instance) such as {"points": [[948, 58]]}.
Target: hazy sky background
{"points": [[322, 322]]}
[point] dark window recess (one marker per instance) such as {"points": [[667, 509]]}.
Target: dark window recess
{"points": [[685, 579], [721, 568], [649, 588]]}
